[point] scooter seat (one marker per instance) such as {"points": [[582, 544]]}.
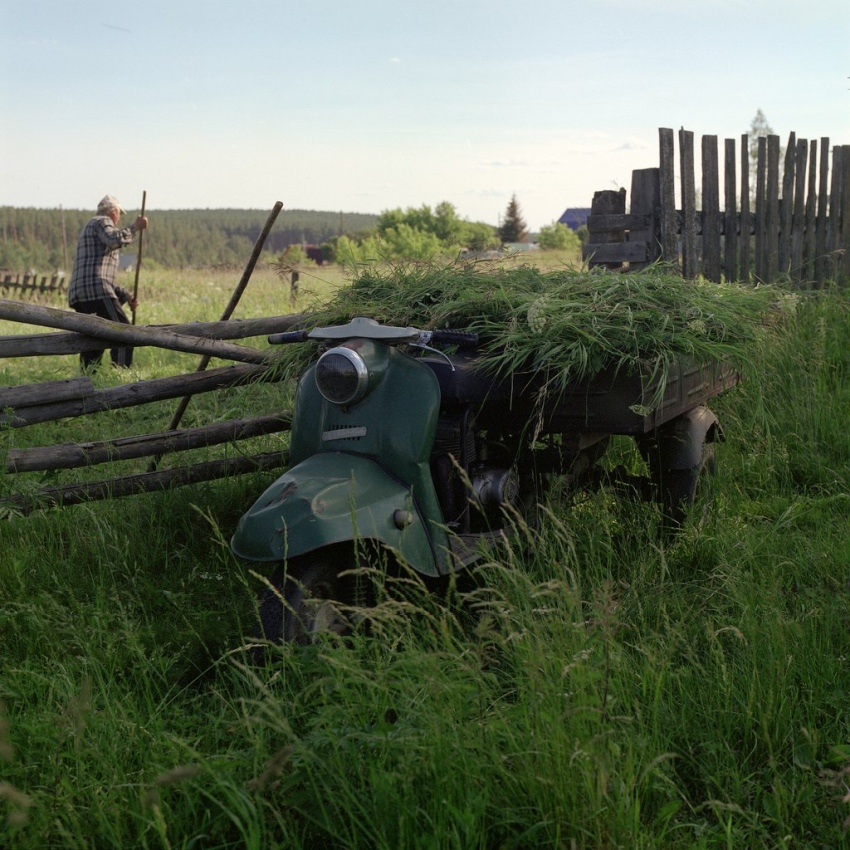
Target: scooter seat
{"points": [[462, 381]]}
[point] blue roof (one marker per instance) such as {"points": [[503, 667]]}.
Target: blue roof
{"points": [[574, 217]]}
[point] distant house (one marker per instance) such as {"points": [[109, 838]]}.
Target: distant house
{"points": [[574, 217]]}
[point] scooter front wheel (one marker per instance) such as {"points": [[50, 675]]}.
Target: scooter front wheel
{"points": [[312, 596]]}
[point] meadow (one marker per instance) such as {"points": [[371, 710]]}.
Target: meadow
{"points": [[606, 685]]}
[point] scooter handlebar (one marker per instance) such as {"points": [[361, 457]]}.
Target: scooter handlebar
{"points": [[287, 337], [463, 339]]}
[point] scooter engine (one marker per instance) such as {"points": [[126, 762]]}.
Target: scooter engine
{"points": [[466, 476]]}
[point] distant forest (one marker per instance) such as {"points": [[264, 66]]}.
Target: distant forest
{"points": [[45, 240]]}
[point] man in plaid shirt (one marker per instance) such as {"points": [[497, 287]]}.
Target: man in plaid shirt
{"points": [[93, 288]]}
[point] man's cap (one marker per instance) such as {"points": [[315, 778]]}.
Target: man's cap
{"points": [[109, 202]]}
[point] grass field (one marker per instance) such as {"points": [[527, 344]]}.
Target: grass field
{"points": [[608, 686]]}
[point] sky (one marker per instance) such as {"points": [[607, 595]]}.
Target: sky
{"points": [[371, 105]]}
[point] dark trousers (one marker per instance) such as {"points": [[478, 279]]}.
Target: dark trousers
{"points": [[106, 308]]}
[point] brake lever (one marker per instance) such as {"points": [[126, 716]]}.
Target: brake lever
{"points": [[425, 347]]}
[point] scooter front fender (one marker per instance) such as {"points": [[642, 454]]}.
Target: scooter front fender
{"points": [[333, 497]]}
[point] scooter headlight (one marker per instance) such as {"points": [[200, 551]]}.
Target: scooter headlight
{"points": [[342, 376]]}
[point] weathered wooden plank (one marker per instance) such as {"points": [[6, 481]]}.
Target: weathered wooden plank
{"points": [[710, 210], [76, 455], [125, 334], [843, 247], [817, 241], [614, 254], [36, 345], [798, 218], [140, 392], [616, 222], [146, 482], [605, 202], [730, 217], [47, 391], [833, 238], [772, 223], [645, 200], [786, 205], [761, 210], [809, 241], [689, 236], [746, 228], [668, 220]]}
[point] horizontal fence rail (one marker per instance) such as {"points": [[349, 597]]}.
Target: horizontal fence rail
{"points": [[791, 220], [51, 401]]}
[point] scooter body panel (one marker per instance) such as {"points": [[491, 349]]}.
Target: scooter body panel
{"points": [[357, 472], [329, 498]]}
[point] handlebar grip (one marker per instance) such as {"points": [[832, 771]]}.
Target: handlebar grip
{"points": [[287, 336], [463, 339]]}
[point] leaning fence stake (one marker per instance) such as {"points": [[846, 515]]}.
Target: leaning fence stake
{"points": [[228, 311]]}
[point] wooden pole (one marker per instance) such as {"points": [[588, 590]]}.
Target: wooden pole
{"points": [[124, 334], [133, 395], [75, 455], [139, 257], [234, 301], [130, 485], [34, 345]]}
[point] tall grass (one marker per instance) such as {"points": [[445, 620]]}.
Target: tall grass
{"points": [[598, 685]]}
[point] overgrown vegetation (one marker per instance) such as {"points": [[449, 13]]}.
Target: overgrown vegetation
{"points": [[566, 323], [601, 686]]}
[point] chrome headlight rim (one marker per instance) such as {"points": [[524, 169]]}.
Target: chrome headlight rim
{"points": [[329, 389]]}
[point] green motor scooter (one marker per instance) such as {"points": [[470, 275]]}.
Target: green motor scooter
{"points": [[384, 451]]}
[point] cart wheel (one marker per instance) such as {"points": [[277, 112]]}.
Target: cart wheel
{"points": [[682, 488]]}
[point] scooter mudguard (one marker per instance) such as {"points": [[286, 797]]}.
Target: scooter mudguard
{"points": [[333, 497]]}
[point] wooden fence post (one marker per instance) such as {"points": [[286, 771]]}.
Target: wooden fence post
{"points": [[668, 218], [809, 240], [761, 207], [843, 213], [710, 210], [644, 204], [606, 202], [786, 205], [746, 231], [798, 216], [689, 223], [772, 223], [817, 242], [730, 218], [834, 230]]}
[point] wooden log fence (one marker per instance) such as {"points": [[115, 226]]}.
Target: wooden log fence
{"points": [[122, 334], [24, 283], [51, 401], [51, 344], [793, 224]]}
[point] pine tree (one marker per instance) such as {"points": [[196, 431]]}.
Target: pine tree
{"points": [[759, 128], [513, 228]]}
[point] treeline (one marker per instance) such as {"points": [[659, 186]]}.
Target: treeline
{"points": [[45, 239]]}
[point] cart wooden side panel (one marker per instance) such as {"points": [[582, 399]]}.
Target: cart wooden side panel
{"points": [[614, 401], [617, 402]]}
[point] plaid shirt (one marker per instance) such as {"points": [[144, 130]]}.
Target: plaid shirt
{"points": [[96, 262]]}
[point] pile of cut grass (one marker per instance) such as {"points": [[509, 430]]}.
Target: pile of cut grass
{"points": [[571, 323]]}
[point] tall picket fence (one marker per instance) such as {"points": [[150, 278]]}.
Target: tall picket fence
{"points": [[790, 220]]}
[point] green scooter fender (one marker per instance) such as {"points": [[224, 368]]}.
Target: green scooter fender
{"points": [[332, 497]]}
